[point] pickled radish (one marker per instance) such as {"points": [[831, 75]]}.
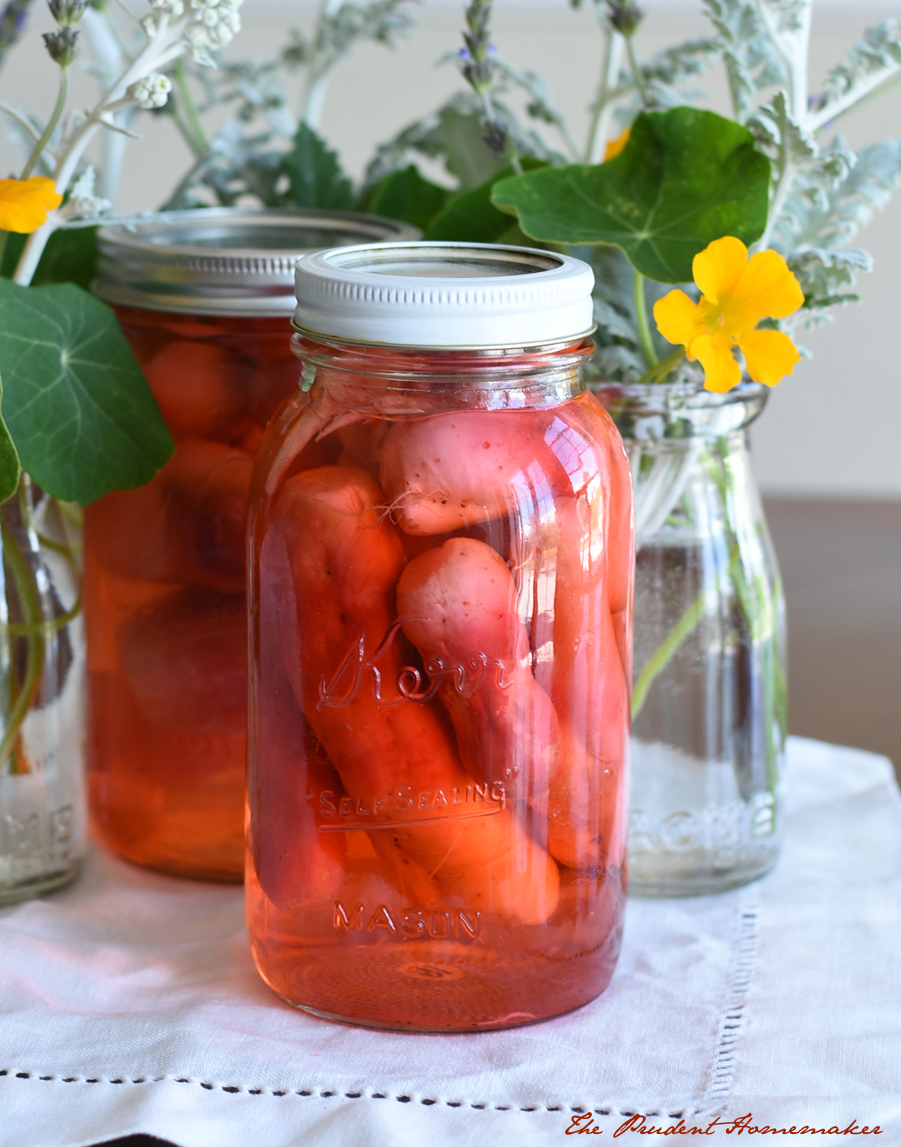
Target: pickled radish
{"points": [[296, 862], [579, 664], [164, 598], [454, 470], [579, 661], [200, 388], [396, 756], [185, 526], [361, 443], [185, 660], [620, 543], [458, 605]]}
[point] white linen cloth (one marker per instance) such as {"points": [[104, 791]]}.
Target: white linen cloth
{"points": [[129, 1002]]}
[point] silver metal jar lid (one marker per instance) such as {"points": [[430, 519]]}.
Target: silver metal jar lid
{"points": [[225, 260], [446, 295]]}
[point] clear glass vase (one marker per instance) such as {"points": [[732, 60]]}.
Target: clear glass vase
{"points": [[709, 699], [42, 805]]}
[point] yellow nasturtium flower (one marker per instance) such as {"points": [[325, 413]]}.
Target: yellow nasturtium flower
{"points": [[736, 293], [615, 146], [24, 203]]}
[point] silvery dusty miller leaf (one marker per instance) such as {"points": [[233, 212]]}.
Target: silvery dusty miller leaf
{"points": [[78, 408]]}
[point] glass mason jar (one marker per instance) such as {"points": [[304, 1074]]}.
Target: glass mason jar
{"points": [[709, 699], [205, 299], [42, 806], [441, 612]]}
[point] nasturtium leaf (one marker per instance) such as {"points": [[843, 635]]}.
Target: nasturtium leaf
{"points": [[76, 403], [405, 195], [69, 257], [315, 174], [471, 217], [685, 178], [9, 464]]}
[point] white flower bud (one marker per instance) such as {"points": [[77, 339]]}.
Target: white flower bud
{"points": [[152, 91], [213, 24], [82, 200]]}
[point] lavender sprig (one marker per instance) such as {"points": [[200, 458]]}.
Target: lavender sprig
{"points": [[12, 21], [477, 66]]}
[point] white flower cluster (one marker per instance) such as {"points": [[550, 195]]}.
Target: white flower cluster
{"points": [[152, 91], [211, 24], [82, 200]]}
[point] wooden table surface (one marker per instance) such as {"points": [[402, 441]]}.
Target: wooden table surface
{"points": [[841, 567]]}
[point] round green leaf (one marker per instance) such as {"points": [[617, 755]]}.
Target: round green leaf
{"points": [[77, 405], [685, 178], [9, 464], [471, 217], [407, 196]]}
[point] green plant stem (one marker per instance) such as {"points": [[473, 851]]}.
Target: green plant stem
{"points": [[196, 138], [600, 117], [659, 372], [641, 321], [27, 593], [664, 652], [636, 73], [51, 125]]}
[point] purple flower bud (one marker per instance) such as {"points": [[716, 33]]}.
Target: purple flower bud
{"points": [[61, 46], [624, 16], [67, 12]]}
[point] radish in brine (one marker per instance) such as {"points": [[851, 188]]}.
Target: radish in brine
{"points": [[395, 755], [579, 662], [184, 657], [458, 605], [293, 860], [449, 471], [200, 388], [186, 525]]}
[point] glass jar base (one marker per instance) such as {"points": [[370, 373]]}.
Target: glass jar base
{"points": [[502, 1023], [434, 987], [182, 869], [703, 882], [39, 885]]}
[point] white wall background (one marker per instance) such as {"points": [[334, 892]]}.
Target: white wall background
{"points": [[831, 429]]}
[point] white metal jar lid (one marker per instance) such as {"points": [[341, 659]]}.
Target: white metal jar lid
{"points": [[445, 295], [225, 260]]}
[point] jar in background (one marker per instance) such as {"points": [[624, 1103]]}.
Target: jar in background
{"points": [[709, 703], [42, 805], [205, 299], [441, 581]]}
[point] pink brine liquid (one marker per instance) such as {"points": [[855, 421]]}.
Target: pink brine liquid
{"points": [[441, 626], [165, 601]]}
